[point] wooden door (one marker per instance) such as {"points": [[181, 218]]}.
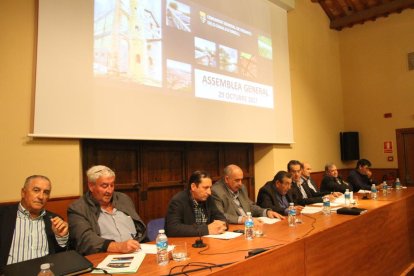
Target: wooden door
{"points": [[405, 146]]}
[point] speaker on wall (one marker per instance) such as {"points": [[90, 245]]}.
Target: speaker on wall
{"points": [[349, 145]]}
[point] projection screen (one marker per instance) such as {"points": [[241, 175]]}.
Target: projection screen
{"points": [[175, 70]]}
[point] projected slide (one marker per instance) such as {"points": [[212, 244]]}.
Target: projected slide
{"points": [[182, 48]]}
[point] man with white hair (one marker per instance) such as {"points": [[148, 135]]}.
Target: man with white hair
{"points": [[103, 220]]}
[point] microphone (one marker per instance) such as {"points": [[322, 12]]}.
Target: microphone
{"points": [[198, 242]]}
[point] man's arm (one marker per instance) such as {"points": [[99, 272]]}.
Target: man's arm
{"points": [[359, 182], [265, 200]]}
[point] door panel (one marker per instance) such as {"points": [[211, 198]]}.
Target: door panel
{"points": [[405, 146]]}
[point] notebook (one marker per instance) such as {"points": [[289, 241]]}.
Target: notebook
{"points": [[351, 211], [64, 263]]}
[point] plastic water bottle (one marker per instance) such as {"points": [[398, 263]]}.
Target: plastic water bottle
{"points": [[347, 198], [292, 215], [249, 227], [373, 192], [45, 270], [384, 188], [326, 206], [162, 248], [397, 184]]}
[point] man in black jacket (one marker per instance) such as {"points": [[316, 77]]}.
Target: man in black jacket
{"points": [[361, 177], [28, 230], [332, 182], [276, 194], [192, 212]]}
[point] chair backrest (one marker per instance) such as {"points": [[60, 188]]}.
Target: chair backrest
{"points": [[153, 227]]}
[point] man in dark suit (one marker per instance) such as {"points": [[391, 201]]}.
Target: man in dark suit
{"points": [[231, 198], [275, 194], [28, 230], [192, 212], [332, 182]]}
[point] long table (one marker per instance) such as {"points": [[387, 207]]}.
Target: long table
{"points": [[379, 242]]}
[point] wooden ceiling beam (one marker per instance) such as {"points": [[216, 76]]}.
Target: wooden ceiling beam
{"points": [[371, 13]]}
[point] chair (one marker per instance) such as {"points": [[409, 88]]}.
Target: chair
{"points": [[153, 226]]}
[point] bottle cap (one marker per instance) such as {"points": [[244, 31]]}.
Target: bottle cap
{"points": [[45, 266], [161, 231], [291, 203], [249, 213]]}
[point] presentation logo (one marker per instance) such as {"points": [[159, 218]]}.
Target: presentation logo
{"points": [[203, 17]]}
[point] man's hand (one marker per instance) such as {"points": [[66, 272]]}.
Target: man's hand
{"points": [[332, 197], [273, 214], [299, 209], [59, 226], [128, 246], [217, 227], [337, 194]]}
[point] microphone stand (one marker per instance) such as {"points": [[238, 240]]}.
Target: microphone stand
{"points": [[198, 242]]}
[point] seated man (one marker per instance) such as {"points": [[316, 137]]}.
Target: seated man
{"points": [[192, 212], [103, 220], [231, 198], [301, 193], [306, 176], [360, 177], [275, 194], [28, 230], [332, 182]]}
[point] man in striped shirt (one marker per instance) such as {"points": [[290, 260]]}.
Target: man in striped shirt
{"points": [[28, 230]]}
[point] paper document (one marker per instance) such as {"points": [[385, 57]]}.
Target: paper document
{"points": [[122, 263], [364, 192], [152, 248], [225, 236], [311, 210], [267, 220], [339, 201]]}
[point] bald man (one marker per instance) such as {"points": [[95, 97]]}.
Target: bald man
{"points": [[231, 198]]}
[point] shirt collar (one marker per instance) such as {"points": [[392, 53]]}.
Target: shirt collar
{"points": [[234, 194], [24, 212]]}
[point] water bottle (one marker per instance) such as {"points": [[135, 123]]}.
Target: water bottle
{"points": [[397, 184], [373, 192], [162, 248], [384, 188], [249, 227], [347, 198], [326, 206], [45, 270], [291, 215]]}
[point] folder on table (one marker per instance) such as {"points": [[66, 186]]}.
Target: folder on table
{"points": [[63, 263]]}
